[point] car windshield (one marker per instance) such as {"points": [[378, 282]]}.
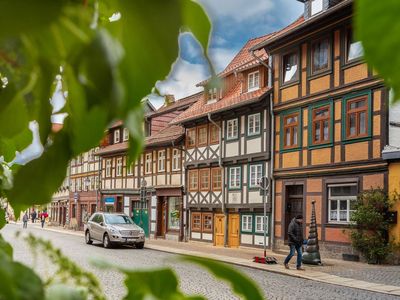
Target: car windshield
{"points": [[118, 219]]}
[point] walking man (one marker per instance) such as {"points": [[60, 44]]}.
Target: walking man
{"points": [[42, 219], [34, 216], [295, 233], [25, 220]]}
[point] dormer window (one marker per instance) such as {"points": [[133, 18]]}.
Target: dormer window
{"points": [[290, 67], [212, 95], [316, 6], [125, 136], [116, 136], [254, 81]]}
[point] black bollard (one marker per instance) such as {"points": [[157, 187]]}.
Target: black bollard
{"points": [[312, 256]]}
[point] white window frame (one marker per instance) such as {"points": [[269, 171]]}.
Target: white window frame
{"points": [[261, 218], [161, 161], [235, 177], [255, 175], [119, 167], [316, 6], [252, 85], [148, 163], [125, 135], [108, 167], [176, 160], [230, 129], [247, 223], [117, 136], [212, 95], [338, 199], [129, 169], [251, 124]]}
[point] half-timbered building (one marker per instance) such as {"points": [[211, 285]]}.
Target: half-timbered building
{"points": [[227, 153], [330, 122]]}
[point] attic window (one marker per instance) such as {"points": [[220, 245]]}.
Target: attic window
{"points": [[212, 95], [254, 81], [316, 6]]}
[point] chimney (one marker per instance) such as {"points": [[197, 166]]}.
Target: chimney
{"points": [[169, 99]]}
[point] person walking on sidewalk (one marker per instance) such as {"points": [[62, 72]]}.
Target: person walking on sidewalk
{"points": [[42, 219], [295, 234], [25, 219], [33, 216]]}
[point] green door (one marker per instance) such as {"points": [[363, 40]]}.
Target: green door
{"points": [[140, 215]]}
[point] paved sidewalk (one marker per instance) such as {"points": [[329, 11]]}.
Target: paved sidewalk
{"points": [[374, 278]]}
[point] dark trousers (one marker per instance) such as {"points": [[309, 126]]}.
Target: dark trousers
{"points": [[25, 224], [291, 253], [42, 223]]}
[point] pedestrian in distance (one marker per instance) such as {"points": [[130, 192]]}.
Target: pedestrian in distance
{"points": [[33, 215], [295, 234], [42, 219], [25, 219]]}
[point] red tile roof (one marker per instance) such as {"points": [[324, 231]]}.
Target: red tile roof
{"points": [[233, 99], [115, 148], [168, 135], [178, 104]]}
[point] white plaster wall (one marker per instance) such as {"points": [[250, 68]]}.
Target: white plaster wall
{"points": [[153, 214], [176, 179], [246, 239], [259, 240], [207, 236], [196, 235], [118, 183], [254, 145], [234, 197], [153, 227], [130, 183], [254, 197], [394, 132], [161, 180], [107, 184], [232, 149]]}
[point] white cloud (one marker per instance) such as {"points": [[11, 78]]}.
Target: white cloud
{"points": [[221, 57], [237, 9], [182, 81]]}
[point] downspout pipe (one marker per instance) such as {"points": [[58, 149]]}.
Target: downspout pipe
{"points": [[269, 66], [223, 189]]}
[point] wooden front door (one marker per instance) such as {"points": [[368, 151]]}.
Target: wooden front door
{"points": [[233, 231], [161, 217], [219, 230], [294, 205]]}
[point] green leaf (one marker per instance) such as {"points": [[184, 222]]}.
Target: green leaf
{"points": [[2, 218], [5, 249], [14, 118], [241, 284], [381, 40], [64, 292], [24, 16], [50, 168]]}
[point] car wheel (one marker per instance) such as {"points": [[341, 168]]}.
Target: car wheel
{"points": [[87, 238], [139, 245], [106, 241]]}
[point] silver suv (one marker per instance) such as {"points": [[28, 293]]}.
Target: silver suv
{"points": [[113, 228]]}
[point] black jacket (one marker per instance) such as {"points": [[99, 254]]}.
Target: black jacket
{"points": [[295, 233]]}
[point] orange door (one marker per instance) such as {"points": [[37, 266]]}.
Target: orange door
{"points": [[219, 230], [233, 230]]}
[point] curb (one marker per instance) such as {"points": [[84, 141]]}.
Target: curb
{"points": [[278, 269]]}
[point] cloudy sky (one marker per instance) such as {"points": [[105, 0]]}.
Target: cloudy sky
{"points": [[234, 22]]}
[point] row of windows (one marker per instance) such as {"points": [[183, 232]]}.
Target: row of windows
{"points": [[320, 57], [148, 166], [85, 183], [253, 126], [253, 223], [202, 136], [202, 222], [80, 159], [235, 176], [205, 180], [117, 135], [356, 122]]}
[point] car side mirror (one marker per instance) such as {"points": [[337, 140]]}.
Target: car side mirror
{"points": [[101, 224]]}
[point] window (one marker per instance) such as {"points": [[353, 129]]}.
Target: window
{"points": [[316, 6], [290, 70], [202, 136], [119, 166], [253, 81], [174, 208], [255, 175], [320, 55], [354, 48], [193, 180], [232, 129], [148, 163], [259, 224], [108, 167], [125, 134], [214, 134], [291, 131], [130, 169], [191, 138], [212, 95], [116, 136], [321, 119], [161, 161], [253, 124], [357, 118], [207, 222], [234, 177], [247, 223], [342, 200], [204, 180], [196, 221], [216, 179], [176, 160]]}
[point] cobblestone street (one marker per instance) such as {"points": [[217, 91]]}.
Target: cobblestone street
{"points": [[193, 280]]}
